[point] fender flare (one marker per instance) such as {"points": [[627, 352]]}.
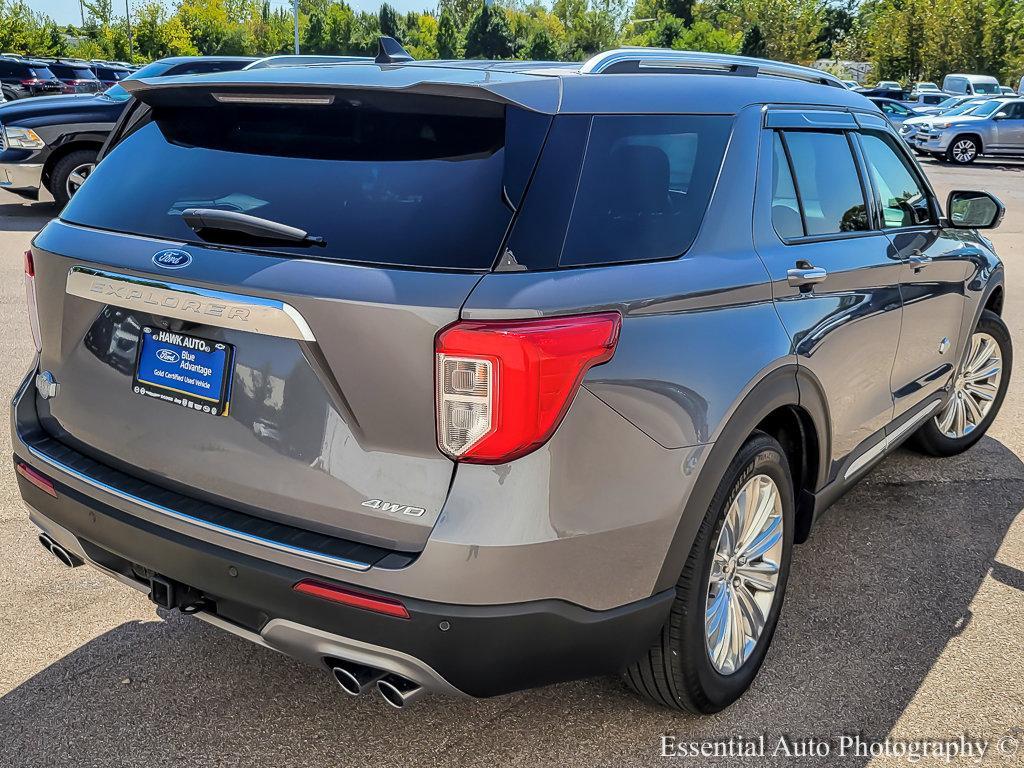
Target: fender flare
{"points": [[778, 388]]}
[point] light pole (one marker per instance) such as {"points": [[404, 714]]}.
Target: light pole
{"points": [[295, 6], [128, 18]]}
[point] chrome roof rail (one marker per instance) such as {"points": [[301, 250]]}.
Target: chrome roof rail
{"points": [[623, 60]]}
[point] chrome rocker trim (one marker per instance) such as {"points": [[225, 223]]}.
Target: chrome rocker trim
{"points": [[889, 441], [150, 294]]}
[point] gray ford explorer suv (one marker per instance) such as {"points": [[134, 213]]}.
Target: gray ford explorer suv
{"points": [[468, 377]]}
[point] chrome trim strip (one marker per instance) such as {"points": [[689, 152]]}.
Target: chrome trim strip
{"points": [[254, 314], [889, 441], [196, 521]]}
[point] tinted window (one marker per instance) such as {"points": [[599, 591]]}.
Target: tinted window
{"points": [[645, 183], [69, 72], [42, 73], [785, 206], [904, 200], [986, 88], [826, 175], [422, 188]]}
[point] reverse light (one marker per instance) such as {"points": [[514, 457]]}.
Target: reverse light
{"points": [[502, 388], [30, 298], [22, 138], [373, 603]]}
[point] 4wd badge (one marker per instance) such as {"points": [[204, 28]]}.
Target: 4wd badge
{"points": [[396, 509]]}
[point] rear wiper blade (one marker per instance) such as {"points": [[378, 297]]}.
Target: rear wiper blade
{"points": [[201, 219]]}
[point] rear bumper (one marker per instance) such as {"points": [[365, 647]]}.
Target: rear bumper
{"points": [[482, 650]]}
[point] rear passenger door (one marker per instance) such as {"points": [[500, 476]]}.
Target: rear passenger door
{"points": [[835, 280], [933, 263]]}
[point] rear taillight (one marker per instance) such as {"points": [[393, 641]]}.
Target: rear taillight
{"points": [[30, 296], [502, 387]]}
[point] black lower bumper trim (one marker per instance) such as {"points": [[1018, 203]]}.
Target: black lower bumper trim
{"points": [[480, 650]]}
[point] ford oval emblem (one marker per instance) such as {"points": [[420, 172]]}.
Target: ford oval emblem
{"points": [[172, 258], [167, 355]]}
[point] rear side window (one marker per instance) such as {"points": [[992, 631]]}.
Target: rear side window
{"points": [[904, 200], [384, 179], [830, 191], [645, 183]]}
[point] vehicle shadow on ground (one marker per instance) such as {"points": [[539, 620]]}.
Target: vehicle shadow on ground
{"points": [[885, 582], [18, 215]]}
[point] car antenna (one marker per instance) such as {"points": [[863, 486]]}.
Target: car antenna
{"points": [[390, 51]]}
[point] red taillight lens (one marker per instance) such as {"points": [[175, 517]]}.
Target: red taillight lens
{"points": [[373, 603], [30, 298], [503, 387], [39, 480]]}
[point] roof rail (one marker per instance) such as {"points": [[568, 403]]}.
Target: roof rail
{"points": [[623, 60]]}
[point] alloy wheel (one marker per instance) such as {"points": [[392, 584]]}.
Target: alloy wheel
{"points": [[964, 151], [744, 574], [77, 177], [974, 388]]}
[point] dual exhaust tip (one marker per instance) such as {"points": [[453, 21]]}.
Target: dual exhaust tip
{"points": [[67, 559], [357, 679]]}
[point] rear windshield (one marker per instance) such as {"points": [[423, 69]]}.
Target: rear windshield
{"points": [[40, 73], [72, 73], [432, 186], [112, 74]]}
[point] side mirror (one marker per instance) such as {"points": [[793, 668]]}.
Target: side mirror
{"points": [[1000, 115], [974, 210]]}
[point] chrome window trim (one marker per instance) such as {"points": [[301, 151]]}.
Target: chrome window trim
{"points": [[189, 519], [151, 294]]}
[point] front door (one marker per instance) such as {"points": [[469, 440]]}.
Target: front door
{"points": [[1009, 128], [932, 275]]}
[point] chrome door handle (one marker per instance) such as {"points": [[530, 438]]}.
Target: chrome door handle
{"points": [[805, 275], [918, 260]]}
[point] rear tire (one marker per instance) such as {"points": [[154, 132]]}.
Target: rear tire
{"points": [[678, 671], [935, 437], [69, 173]]}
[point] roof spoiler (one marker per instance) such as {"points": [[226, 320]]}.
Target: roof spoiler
{"points": [[390, 51]]}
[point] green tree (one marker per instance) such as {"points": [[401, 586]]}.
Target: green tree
{"points": [[489, 35], [389, 22], [448, 35]]}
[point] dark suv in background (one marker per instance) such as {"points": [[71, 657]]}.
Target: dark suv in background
{"points": [[110, 74], [75, 76], [53, 143], [20, 78], [469, 377]]}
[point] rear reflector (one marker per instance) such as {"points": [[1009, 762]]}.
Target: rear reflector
{"points": [[503, 388], [30, 298], [356, 599], [39, 480]]}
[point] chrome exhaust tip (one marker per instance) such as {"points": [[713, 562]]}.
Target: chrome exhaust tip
{"points": [[66, 558], [355, 679], [398, 692]]}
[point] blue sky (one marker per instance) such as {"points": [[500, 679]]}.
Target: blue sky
{"points": [[66, 11]]}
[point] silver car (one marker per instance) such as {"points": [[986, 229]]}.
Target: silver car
{"points": [[994, 128]]}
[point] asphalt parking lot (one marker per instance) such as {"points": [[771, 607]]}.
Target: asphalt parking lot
{"points": [[904, 618]]}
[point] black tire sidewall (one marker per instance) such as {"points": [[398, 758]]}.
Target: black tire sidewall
{"points": [[760, 455], [62, 169]]}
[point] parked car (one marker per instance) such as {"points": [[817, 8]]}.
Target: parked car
{"points": [[21, 78], [1006, 90], [54, 142], [896, 111], [603, 364], [75, 76], [994, 128], [896, 94], [110, 74], [926, 102], [923, 87], [888, 85], [910, 127], [971, 85]]}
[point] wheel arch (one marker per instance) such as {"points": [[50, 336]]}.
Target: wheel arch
{"points": [[786, 403], [62, 151]]}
